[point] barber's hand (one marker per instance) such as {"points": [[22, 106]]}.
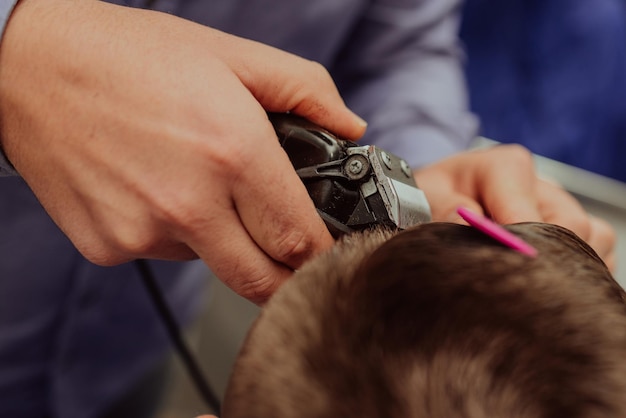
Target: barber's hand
{"points": [[145, 135], [501, 182]]}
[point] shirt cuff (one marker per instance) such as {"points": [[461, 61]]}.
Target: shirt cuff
{"points": [[6, 7]]}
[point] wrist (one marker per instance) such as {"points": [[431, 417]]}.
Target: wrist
{"points": [[29, 56]]}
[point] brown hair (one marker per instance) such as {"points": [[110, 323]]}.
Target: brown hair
{"points": [[439, 321]]}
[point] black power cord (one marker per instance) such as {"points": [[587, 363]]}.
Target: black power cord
{"points": [[206, 392]]}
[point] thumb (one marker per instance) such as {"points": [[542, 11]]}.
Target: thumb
{"points": [[283, 82], [308, 91]]}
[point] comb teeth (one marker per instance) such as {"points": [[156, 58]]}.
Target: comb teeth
{"points": [[496, 232]]}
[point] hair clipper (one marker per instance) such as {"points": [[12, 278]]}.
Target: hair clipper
{"points": [[353, 187]]}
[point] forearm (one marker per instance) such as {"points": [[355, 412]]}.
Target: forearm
{"points": [[6, 7]]}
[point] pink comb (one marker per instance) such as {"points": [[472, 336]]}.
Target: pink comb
{"points": [[496, 232]]}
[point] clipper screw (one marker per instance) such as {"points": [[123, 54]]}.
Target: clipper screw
{"points": [[356, 167]]}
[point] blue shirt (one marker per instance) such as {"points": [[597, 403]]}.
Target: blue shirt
{"points": [[549, 74], [73, 336]]}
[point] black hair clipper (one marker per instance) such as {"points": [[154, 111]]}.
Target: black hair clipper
{"points": [[353, 187]]}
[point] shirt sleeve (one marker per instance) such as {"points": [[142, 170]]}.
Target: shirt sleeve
{"points": [[401, 70], [6, 7]]}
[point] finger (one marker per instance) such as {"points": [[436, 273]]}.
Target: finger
{"points": [[453, 202], [602, 239], [328, 110], [236, 259], [314, 96], [444, 200], [507, 185], [611, 263], [559, 207], [306, 88], [277, 211]]}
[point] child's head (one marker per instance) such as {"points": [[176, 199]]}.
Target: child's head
{"points": [[439, 321]]}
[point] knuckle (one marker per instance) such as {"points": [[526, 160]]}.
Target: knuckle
{"points": [[260, 290], [191, 206], [224, 157], [320, 73], [97, 247], [248, 280], [581, 226], [293, 248], [134, 241], [316, 83], [605, 232], [610, 237], [179, 214], [518, 154], [172, 210], [101, 254], [236, 159]]}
